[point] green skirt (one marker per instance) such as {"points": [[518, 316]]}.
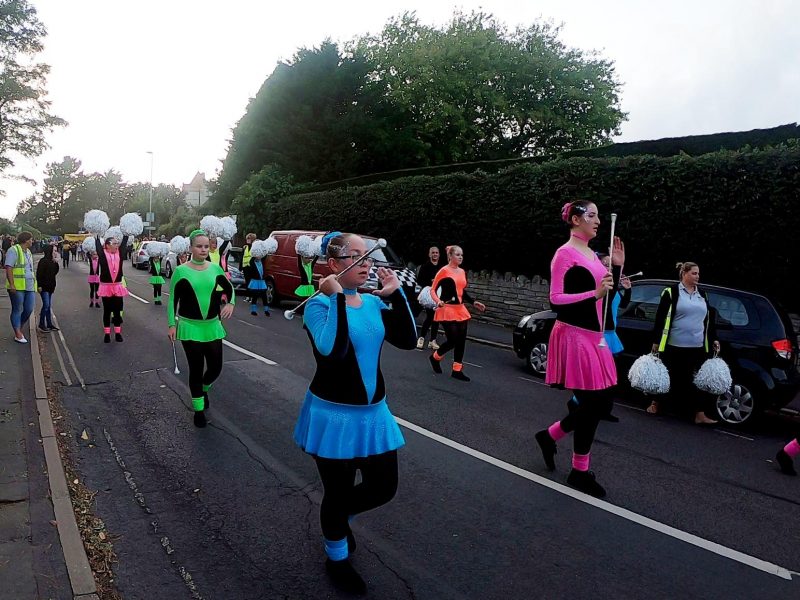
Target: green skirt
{"points": [[157, 280], [199, 330], [304, 291]]}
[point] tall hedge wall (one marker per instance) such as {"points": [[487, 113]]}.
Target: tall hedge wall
{"points": [[737, 214]]}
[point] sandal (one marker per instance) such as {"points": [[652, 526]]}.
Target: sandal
{"points": [[653, 408]]}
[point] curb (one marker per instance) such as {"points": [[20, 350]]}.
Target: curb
{"points": [[80, 573]]}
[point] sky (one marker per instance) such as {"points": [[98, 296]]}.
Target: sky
{"points": [[174, 76]]}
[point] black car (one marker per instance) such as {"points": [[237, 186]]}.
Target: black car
{"points": [[756, 335]]}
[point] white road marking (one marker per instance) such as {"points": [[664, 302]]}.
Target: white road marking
{"points": [[536, 381], [644, 410], [246, 352], [472, 364], [250, 324], [61, 364], [725, 552], [132, 295], [736, 435], [69, 354]]}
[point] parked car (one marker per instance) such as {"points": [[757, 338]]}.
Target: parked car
{"points": [[139, 257], [756, 335], [170, 262], [283, 276]]}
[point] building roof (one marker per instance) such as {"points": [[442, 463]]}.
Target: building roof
{"points": [[198, 183]]}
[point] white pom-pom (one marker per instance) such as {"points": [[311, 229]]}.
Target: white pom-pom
{"points": [[89, 245], [425, 299], [262, 248], [96, 222], [307, 247], [649, 375], [272, 245], [228, 228], [131, 224], [212, 225], [220, 242], [179, 244], [714, 377], [114, 232], [157, 249], [317, 249]]}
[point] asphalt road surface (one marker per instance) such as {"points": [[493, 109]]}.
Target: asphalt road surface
{"points": [[231, 511]]}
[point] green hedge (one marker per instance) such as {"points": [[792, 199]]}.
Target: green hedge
{"points": [[735, 213]]}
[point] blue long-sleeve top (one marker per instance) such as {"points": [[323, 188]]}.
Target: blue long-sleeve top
{"points": [[347, 344]]}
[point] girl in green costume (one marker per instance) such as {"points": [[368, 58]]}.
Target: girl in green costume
{"points": [[156, 279], [199, 327]]}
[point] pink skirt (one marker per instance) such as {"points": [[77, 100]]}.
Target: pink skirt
{"points": [[576, 361], [94, 279], [107, 290]]}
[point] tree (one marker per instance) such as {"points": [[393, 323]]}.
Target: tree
{"points": [[255, 198], [61, 183], [25, 117], [475, 90]]}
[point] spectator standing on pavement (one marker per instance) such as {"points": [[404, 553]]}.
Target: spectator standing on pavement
{"points": [[452, 313], [682, 333], [198, 327], [46, 271], [20, 283], [246, 256], [344, 422], [576, 359], [425, 276], [65, 252], [112, 289]]}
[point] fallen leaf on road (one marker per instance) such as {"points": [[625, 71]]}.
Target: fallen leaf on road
{"points": [[75, 481], [54, 523], [84, 435], [197, 490], [102, 536]]}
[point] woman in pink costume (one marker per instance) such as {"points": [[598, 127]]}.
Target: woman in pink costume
{"points": [[578, 358], [786, 455], [112, 289], [94, 279]]}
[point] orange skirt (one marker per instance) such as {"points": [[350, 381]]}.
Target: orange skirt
{"points": [[452, 312]]}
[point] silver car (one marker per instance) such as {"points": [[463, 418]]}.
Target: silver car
{"points": [[139, 257]]}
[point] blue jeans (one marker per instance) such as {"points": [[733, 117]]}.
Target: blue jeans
{"points": [[44, 315], [22, 304]]}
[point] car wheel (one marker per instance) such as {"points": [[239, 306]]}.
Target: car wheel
{"points": [[537, 359], [168, 271], [737, 406], [272, 295]]}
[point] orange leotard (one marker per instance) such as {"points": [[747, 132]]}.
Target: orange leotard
{"points": [[453, 283]]}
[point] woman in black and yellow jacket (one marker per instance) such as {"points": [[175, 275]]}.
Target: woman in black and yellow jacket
{"points": [[684, 336]]}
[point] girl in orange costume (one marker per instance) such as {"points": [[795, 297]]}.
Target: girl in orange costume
{"points": [[451, 280]]}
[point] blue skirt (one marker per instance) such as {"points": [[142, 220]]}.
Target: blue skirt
{"points": [[333, 430], [257, 284], [613, 342]]}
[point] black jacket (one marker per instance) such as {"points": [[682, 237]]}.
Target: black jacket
{"points": [[46, 272], [427, 273]]}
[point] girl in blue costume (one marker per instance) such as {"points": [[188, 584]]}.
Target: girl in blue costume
{"points": [[345, 423]]}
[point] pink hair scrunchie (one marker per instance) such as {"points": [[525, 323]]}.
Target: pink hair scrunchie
{"points": [[565, 212]]}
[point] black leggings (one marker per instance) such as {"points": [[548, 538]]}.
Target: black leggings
{"points": [[112, 311], [93, 288], [343, 499], [456, 332], [583, 419], [429, 323], [200, 355], [65, 259], [682, 364], [255, 296], [156, 290]]}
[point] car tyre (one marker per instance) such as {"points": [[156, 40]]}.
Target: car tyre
{"points": [[272, 294], [738, 406], [168, 271], [536, 359]]}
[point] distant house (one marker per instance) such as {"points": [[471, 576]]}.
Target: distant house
{"points": [[196, 191]]}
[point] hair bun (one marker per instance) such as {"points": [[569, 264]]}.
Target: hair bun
{"points": [[565, 212]]}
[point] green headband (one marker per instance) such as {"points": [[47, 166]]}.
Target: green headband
{"points": [[195, 233]]}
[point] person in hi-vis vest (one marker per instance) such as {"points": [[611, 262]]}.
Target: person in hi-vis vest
{"points": [[20, 283]]}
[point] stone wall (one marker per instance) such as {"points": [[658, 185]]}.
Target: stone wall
{"points": [[507, 297]]}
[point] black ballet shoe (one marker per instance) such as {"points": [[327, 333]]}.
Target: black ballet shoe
{"points": [[157, 302], [459, 375], [345, 577], [107, 338], [351, 543], [437, 368], [785, 462], [266, 314], [584, 481], [118, 337], [610, 418], [205, 401], [199, 418], [548, 447]]}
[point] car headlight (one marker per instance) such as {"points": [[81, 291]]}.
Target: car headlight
{"points": [[524, 321]]}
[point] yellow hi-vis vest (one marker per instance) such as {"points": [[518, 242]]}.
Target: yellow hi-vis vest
{"points": [[18, 271], [668, 321]]}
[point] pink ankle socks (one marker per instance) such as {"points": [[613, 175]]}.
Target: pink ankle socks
{"points": [[580, 462], [792, 448], [555, 431]]}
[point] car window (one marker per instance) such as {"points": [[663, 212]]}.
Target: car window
{"points": [[644, 302], [235, 259], [733, 311]]}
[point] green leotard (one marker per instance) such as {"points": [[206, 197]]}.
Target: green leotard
{"points": [[194, 300]]}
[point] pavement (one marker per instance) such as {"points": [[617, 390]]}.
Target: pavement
{"points": [[32, 564], [231, 511]]}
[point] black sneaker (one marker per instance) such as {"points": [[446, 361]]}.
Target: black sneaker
{"points": [[584, 481], [266, 314], [157, 302], [548, 447], [345, 577], [41, 329], [459, 375], [199, 418], [437, 368], [53, 328], [785, 462], [118, 337], [107, 338]]}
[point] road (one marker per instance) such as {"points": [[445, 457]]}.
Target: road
{"points": [[231, 511]]}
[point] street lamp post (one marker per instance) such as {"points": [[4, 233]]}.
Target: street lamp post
{"points": [[150, 152]]}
